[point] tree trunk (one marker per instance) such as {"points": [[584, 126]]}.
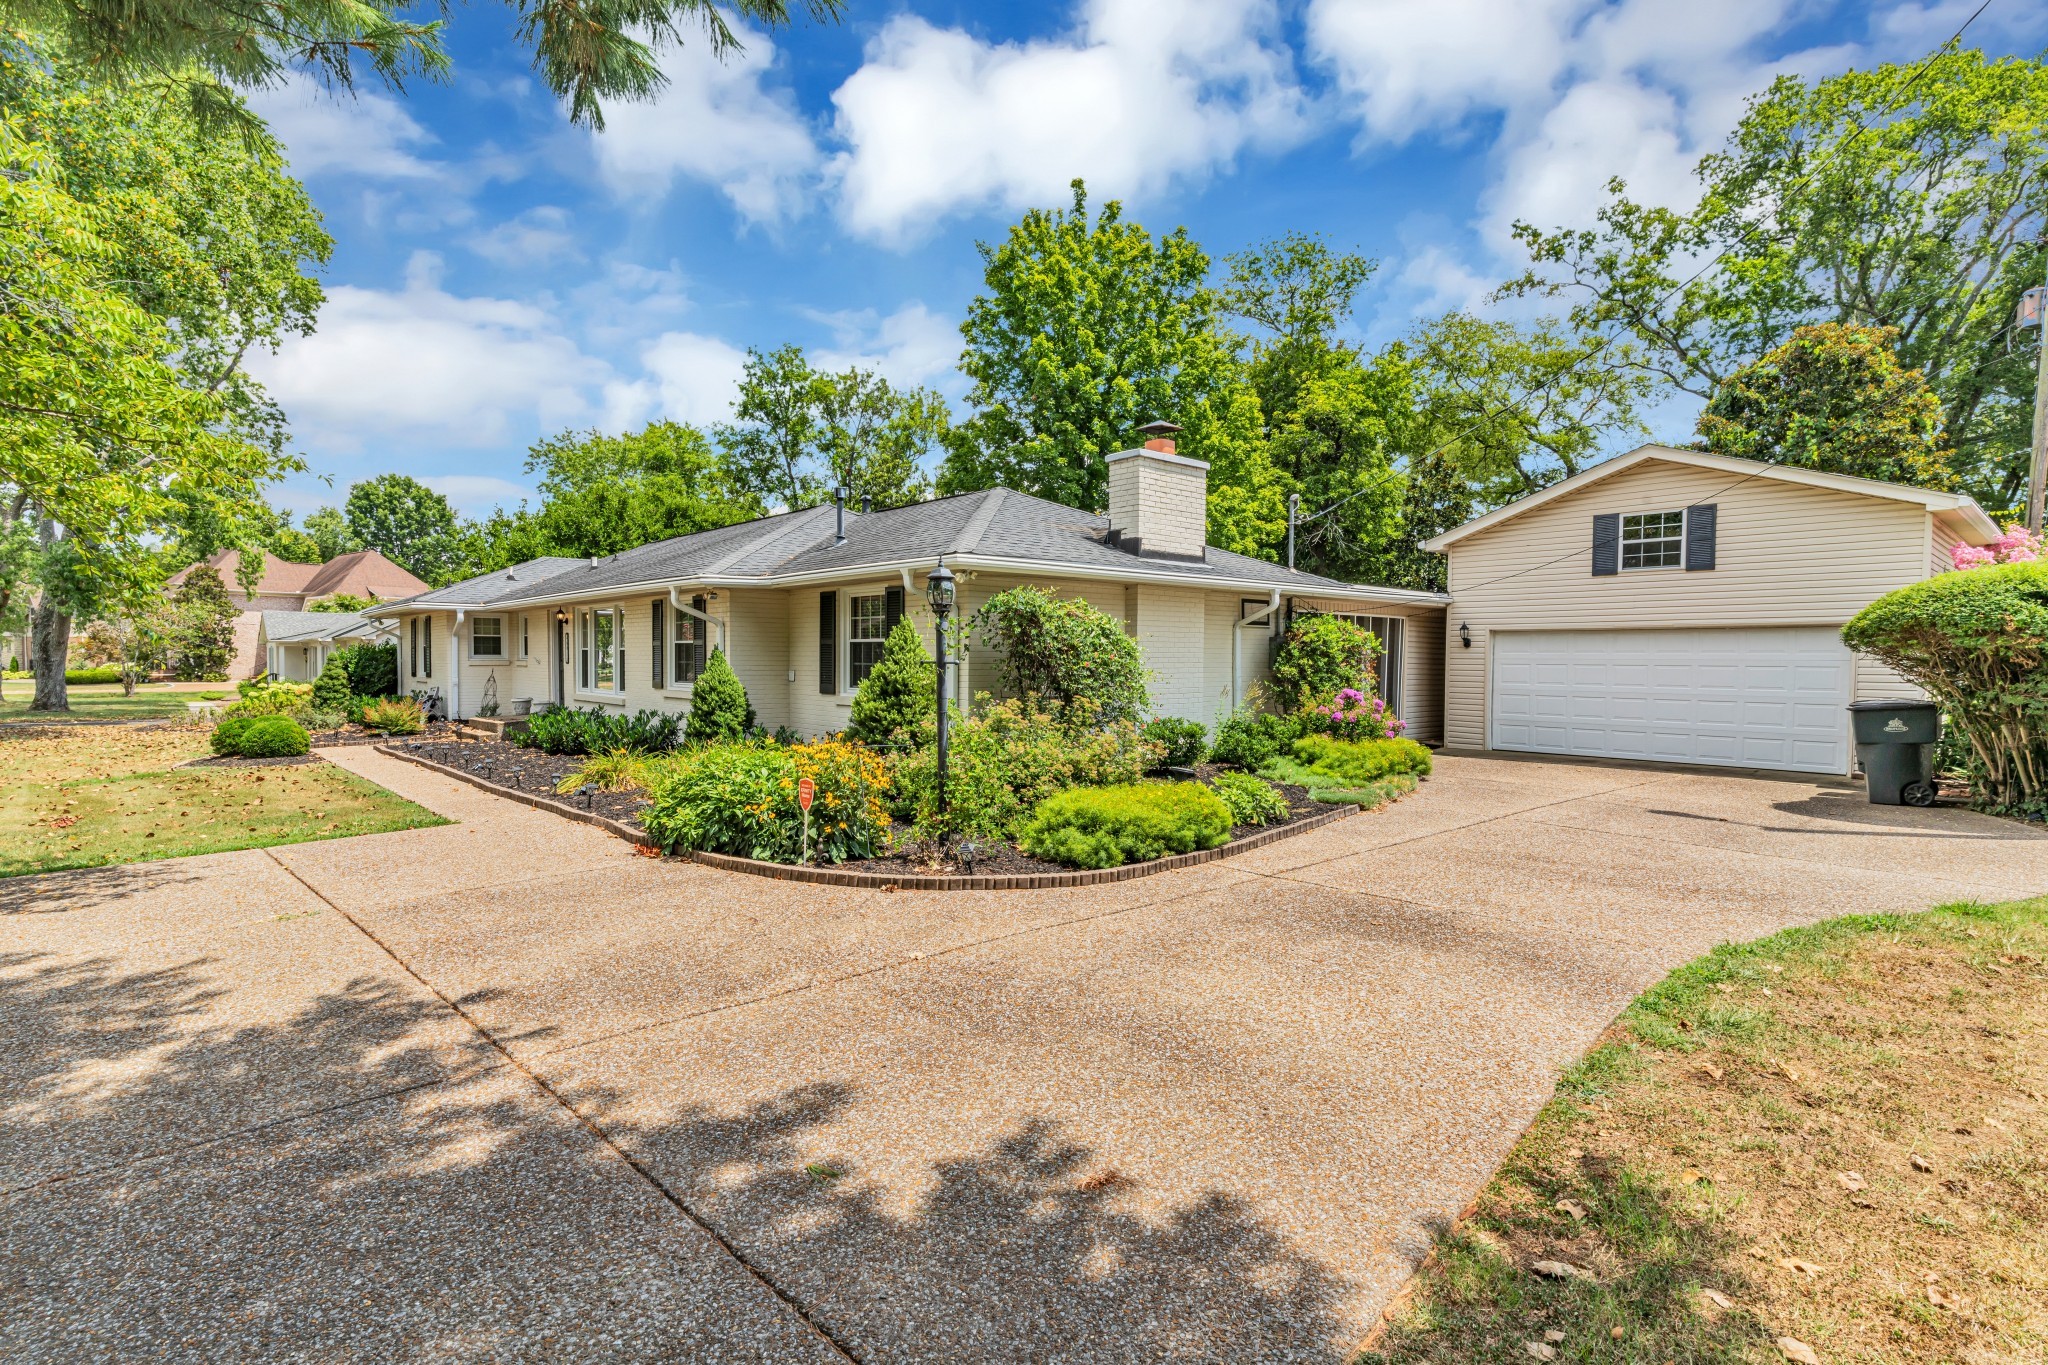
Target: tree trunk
{"points": [[49, 646]]}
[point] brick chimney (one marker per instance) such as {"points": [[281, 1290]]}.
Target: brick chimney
{"points": [[1158, 501]]}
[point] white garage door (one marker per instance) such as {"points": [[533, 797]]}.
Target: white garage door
{"points": [[1743, 698]]}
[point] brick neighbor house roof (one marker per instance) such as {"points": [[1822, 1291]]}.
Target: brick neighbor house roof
{"points": [[364, 573]]}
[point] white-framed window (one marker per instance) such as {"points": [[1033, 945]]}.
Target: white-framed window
{"points": [[687, 653], [526, 637], [486, 637], [1653, 540], [597, 639], [867, 628]]}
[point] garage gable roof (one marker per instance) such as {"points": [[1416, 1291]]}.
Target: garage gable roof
{"points": [[1959, 511]]}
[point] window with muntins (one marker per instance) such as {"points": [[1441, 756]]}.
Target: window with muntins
{"points": [[1653, 540], [487, 637], [867, 629], [600, 650], [686, 652], [526, 637]]}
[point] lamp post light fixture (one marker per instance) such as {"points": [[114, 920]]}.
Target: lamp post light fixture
{"points": [[938, 591]]}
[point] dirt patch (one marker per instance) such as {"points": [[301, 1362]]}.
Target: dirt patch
{"points": [[1834, 1140]]}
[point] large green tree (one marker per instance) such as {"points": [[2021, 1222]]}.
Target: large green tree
{"points": [[410, 524], [1087, 330], [1832, 398], [208, 51], [601, 494], [799, 432], [1908, 197]]}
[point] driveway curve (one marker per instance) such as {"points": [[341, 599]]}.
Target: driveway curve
{"points": [[503, 1090]]}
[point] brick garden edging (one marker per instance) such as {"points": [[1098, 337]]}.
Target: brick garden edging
{"points": [[876, 881]]}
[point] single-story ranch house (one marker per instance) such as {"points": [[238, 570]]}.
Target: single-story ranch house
{"points": [[801, 602], [1674, 606], [1664, 606], [294, 645]]}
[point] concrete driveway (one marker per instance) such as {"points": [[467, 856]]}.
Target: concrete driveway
{"points": [[502, 1090]]}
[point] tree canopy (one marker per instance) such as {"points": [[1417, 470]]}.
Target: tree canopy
{"points": [[798, 433]]}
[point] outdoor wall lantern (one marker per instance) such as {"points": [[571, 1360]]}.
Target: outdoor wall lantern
{"points": [[562, 615], [1464, 635], [938, 590]]}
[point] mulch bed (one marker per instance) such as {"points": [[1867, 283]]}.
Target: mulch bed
{"points": [[232, 761], [527, 770], [361, 734], [530, 770]]}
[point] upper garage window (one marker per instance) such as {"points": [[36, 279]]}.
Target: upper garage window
{"points": [[1653, 540]]}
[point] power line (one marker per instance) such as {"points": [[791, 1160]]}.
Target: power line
{"points": [[1609, 338]]}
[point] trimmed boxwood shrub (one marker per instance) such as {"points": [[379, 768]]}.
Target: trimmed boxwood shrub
{"points": [[104, 673], [1977, 641], [226, 740], [1357, 762], [272, 737], [1111, 826], [559, 730], [1252, 739], [1252, 800], [1181, 742]]}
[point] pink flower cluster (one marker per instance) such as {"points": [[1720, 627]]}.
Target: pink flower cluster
{"points": [[2017, 546], [1354, 716]]}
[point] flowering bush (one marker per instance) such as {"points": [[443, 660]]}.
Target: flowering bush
{"points": [[742, 799], [1353, 715], [2017, 546]]}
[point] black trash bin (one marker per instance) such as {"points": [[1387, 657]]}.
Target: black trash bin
{"points": [[1895, 744]]}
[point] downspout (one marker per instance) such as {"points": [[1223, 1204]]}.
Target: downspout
{"points": [[455, 668], [1237, 647], [683, 608]]}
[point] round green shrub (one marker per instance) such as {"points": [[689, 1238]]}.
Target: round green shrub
{"points": [[1111, 826], [1182, 743], [226, 740], [1977, 641], [1252, 800], [1251, 739], [1065, 651], [273, 737]]}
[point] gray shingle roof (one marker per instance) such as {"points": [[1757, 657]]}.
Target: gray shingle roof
{"points": [[996, 524], [291, 627]]}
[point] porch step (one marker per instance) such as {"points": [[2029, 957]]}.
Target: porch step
{"points": [[494, 727]]}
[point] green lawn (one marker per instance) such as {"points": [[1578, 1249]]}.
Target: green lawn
{"points": [[1827, 1145], [98, 795], [100, 701]]}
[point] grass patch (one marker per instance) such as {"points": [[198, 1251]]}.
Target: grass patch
{"points": [[1834, 1135], [101, 795], [97, 701]]}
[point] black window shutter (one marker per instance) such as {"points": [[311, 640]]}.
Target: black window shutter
{"points": [[1699, 535], [699, 641], [413, 637], [828, 642], [660, 620], [892, 609], [427, 645], [619, 648], [1606, 544]]}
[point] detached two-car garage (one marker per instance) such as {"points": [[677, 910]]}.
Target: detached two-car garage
{"points": [[1753, 698], [1677, 606]]}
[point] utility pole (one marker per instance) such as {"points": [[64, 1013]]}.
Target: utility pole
{"points": [[2038, 475], [1294, 499]]}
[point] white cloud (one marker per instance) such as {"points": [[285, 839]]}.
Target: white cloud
{"points": [[364, 134], [909, 346], [474, 495], [691, 377], [1142, 94], [538, 236], [715, 123], [423, 364]]}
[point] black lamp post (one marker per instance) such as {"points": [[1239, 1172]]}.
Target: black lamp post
{"points": [[938, 590]]}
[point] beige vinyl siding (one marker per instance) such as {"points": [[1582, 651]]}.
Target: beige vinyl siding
{"points": [[1422, 675], [1945, 542], [1786, 554]]}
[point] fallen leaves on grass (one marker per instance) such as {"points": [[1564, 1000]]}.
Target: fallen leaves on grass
{"points": [[1850, 1180], [1561, 1270], [1792, 1348], [1718, 1299], [1798, 1266], [1921, 1163], [1572, 1207]]}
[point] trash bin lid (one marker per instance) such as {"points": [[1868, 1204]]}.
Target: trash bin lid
{"points": [[1916, 704]]}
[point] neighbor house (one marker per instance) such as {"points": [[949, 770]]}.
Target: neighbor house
{"points": [[294, 645], [1675, 606], [802, 601], [286, 586]]}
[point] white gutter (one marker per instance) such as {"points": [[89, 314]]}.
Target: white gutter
{"points": [[683, 608], [1237, 645]]}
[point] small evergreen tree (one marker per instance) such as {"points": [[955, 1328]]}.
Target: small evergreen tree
{"points": [[331, 690], [719, 710], [203, 633], [898, 701], [372, 669]]}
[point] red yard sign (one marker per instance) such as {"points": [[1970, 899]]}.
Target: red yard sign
{"points": [[805, 790]]}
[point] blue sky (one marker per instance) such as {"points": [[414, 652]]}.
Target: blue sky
{"points": [[499, 275]]}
